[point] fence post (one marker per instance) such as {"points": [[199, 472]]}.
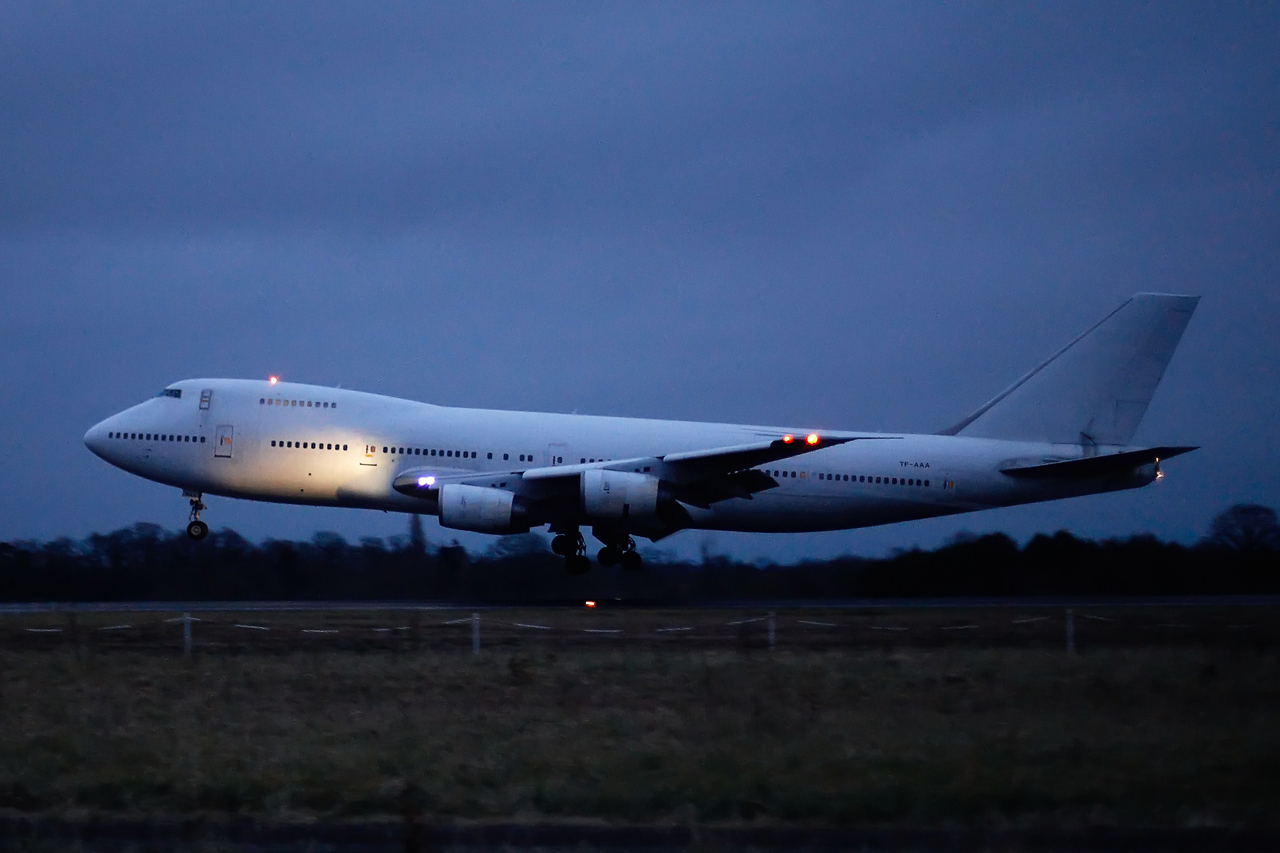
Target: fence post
{"points": [[773, 630], [475, 633], [1071, 631], [186, 634]]}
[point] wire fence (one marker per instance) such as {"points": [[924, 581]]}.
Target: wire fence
{"points": [[1065, 629]]}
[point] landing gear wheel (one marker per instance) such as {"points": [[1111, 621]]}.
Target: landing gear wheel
{"points": [[197, 529], [630, 561], [608, 556], [570, 545]]}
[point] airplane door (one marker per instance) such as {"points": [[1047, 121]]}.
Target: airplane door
{"points": [[558, 453], [222, 441]]}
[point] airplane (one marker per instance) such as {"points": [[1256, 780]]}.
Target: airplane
{"points": [[1062, 430]]}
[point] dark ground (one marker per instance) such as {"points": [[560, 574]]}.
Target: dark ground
{"points": [[974, 725]]}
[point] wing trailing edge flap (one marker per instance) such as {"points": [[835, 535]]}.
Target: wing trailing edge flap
{"points": [[1096, 466], [732, 465]]}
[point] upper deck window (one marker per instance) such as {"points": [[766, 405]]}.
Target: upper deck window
{"points": [[171, 392]]}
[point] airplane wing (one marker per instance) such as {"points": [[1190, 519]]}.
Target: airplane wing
{"points": [[697, 477]]}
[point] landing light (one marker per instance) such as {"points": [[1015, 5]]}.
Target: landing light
{"points": [[811, 438], [426, 481], [273, 379]]}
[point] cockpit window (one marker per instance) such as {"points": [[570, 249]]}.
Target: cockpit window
{"points": [[171, 392]]}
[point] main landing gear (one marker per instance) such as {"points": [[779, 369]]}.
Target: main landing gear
{"points": [[619, 552], [196, 529], [573, 548]]}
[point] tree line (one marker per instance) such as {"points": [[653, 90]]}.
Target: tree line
{"points": [[1241, 555]]}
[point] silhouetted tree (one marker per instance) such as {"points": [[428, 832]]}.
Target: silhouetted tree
{"points": [[146, 562], [1246, 528]]}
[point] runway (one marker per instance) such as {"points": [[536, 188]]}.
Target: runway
{"points": [[777, 604]]}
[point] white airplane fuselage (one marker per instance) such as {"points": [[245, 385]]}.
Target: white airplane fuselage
{"points": [[304, 444], [1062, 430]]}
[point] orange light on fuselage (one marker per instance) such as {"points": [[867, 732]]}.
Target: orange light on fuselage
{"points": [[788, 438], [811, 438]]}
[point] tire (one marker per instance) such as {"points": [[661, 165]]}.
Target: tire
{"points": [[197, 530], [631, 561], [608, 556], [562, 545]]}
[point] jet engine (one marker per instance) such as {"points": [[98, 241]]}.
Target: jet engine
{"points": [[481, 509], [618, 494]]}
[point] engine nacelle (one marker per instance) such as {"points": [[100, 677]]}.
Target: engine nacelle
{"points": [[618, 494], [481, 509]]}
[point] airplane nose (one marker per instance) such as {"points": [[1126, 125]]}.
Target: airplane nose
{"points": [[95, 439]]}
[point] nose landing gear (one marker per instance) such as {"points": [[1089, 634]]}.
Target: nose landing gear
{"points": [[197, 529]]}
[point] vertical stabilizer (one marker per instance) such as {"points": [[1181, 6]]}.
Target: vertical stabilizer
{"points": [[1096, 389]]}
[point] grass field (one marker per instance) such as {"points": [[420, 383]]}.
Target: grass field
{"points": [[845, 722]]}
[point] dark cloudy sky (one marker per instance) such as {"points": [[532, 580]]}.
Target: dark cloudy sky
{"points": [[857, 215]]}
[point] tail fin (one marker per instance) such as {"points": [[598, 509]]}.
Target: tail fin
{"points": [[1096, 389]]}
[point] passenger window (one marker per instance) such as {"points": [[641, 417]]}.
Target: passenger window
{"points": [[333, 406], [344, 447], [262, 401], [490, 456]]}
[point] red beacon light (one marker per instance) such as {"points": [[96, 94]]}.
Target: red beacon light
{"points": [[273, 379], [788, 438], [811, 438]]}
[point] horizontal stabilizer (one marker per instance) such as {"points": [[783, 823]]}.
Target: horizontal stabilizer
{"points": [[1096, 466]]}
